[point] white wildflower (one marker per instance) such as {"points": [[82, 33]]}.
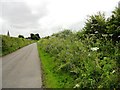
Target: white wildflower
{"points": [[111, 34], [76, 86], [113, 71], [104, 35], [94, 48], [89, 54], [105, 57], [96, 31]]}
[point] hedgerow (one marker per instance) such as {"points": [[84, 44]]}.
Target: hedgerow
{"points": [[91, 57], [10, 44]]}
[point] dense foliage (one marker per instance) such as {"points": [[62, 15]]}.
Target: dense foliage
{"points": [[34, 36], [10, 44], [20, 36], [90, 57]]}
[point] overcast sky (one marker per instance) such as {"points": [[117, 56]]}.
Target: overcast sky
{"points": [[48, 16]]}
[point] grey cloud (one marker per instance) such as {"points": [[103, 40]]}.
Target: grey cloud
{"points": [[25, 26], [20, 15]]}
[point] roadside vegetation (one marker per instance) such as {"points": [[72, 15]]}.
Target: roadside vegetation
{"points": [[10, 44], [86, 59]]}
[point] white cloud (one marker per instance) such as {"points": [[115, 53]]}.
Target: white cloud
{"points": [[1, 20]]}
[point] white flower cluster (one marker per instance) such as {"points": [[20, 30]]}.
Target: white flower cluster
{"points": [[76, 86], [89, 54], [94, 48], [113, 71]]}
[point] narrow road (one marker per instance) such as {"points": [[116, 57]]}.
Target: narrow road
{"points": [[21, 69]]}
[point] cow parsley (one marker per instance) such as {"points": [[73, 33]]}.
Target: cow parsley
{"points": [[94, 48], [76, 86]]}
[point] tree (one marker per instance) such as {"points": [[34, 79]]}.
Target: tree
{"points": [[32, 36], [113, 24], [95, 24], [21, 36], [8, 34], [35, 36]]}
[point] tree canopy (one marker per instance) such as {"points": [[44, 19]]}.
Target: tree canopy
{"points": [[21, 36], [35, 36], [98, 24]]}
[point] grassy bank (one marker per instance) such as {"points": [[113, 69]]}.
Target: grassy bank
{"points": [[10, 44], [51, 79]]}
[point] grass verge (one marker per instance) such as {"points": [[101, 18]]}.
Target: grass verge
{"points": [[51, 79]]}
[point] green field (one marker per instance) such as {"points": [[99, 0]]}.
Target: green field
{"points": [[10, 44], [86, 59]]}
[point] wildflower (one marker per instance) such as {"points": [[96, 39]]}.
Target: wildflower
{"points": [[94, 48], [96, 32], [113, 71], [105, 57], [76, 86], [89, 54], [104, 35]]}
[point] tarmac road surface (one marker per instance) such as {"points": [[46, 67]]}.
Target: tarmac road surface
{"points": [[21, 69]]}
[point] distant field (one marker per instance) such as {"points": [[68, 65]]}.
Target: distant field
{"points": [[10, 44]]}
